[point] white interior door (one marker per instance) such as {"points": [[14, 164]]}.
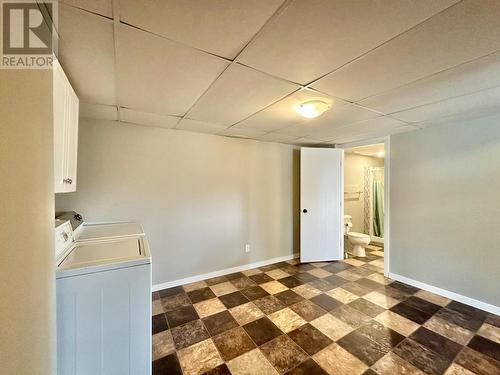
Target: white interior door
{"points": [[321, 196]]}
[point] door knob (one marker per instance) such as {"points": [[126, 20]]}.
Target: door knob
{"points": [[68, 181], [304, 211]]}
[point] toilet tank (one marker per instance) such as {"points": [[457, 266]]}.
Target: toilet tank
{"points": [[347, 223]]}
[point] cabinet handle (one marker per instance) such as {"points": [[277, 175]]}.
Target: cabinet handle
{"points": [[68, 181]]}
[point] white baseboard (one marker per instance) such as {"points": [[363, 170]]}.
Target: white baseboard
{"points": [[446, 293], [226, 271]]}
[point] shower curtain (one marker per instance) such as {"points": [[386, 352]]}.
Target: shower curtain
{"points": [[378, 203]]}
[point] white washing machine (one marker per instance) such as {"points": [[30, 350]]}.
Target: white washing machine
{"points": [[103, 280]]}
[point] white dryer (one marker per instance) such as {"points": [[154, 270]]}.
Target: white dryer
{"points": [[103, 279]]}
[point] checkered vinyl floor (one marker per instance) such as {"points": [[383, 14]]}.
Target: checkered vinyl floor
{"points": [[319, 318]]}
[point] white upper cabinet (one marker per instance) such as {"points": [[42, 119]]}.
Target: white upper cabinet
{"points": [[65, 132]]}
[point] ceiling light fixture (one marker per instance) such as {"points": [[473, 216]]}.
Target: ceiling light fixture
{"points": [[312, 108]]}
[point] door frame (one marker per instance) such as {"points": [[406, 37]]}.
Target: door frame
{"points": [[387, 187]]}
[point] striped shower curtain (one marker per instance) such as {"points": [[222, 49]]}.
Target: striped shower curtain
{"points": [[378, 205]]}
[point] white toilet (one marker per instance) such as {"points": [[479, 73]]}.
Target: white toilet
{"points": [[357, 241]]}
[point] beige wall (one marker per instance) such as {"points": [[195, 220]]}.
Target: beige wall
{"points": [[27, 310], [445, 207], [354, 170], [200, 197]]}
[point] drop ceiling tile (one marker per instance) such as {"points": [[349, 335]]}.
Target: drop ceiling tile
{"points": [[102, 7], [471, 77], [98, 111], [160, 76], [277, 137], [298, 130], [340, 114], [308, 142], [238, 93], [311, 38], [147, 119], [86, 53], [282, 113], [373, 135], [199, 126], [461, 117], [379, 124], [221, 27], [480, 101], [461, 33], [243, 132]]}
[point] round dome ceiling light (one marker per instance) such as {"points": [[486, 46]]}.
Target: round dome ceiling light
{"points": [[312, 108]]}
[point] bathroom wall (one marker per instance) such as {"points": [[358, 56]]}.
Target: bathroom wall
{"points": [[27, 290], [354, 169], [445, 207], [200, 197]]}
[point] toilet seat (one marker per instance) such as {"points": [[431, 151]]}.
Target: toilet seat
{"points": [[358, 235]]}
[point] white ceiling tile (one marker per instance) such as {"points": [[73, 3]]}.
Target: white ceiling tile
{"points": [[311, 38], [147, 119], [477, 75], [199, 126], [375, 134], [102, 7], [243, 132], [160, 76], [277, 137], [340, 114], [424, 76], [86, 53], [238, 93], [479, 101], [461, 117], [308, 142], [379, 124], [98, 111], [221, 27], [461, 33], [282, 113], [298, 130]]}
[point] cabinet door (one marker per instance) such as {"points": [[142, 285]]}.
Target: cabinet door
{"points": [[59, 102], [71, 140]]}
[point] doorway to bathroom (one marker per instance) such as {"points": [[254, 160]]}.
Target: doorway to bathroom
{"points": [[365, 170]]}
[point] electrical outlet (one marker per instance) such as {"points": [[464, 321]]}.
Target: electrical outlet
{"points": [[247, 248]]}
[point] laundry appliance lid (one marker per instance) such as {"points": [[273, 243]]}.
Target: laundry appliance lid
{"points": [[105, 231], [88, 257]]}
